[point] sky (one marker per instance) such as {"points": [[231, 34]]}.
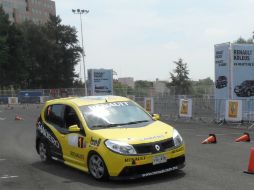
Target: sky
{"points": [[142, 38]]}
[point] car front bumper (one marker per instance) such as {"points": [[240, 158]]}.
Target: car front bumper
{"points": [[131, 167], [146, 170]]}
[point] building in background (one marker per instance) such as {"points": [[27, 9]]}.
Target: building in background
{"points": [[129, 81], [160, 86], [37, 11]]}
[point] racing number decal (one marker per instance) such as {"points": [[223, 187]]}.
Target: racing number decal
{"points": [[81, 142]]}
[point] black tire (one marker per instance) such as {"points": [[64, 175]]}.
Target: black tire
{"points": [[97, 167], [44, 152]]}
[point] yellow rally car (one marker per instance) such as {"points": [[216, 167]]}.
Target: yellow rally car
{"points": [[108, 136]]}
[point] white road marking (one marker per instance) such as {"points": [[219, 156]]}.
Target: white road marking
{"points": [[2, 119], [220, 134], [2, 159], [8, 177]]}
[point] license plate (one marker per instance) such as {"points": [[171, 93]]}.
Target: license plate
{"points": [[159, 159]]}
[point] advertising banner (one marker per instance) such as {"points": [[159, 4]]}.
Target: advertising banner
{"points": [[222, 70], [12, 100], [100, 81], [185, 108], [149, 105], [233, 110], [243, 71]]}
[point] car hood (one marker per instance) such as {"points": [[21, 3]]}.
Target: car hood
{"points": [[152, 132]]}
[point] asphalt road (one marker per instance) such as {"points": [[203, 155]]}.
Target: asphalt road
{"points": [[213, 166]]}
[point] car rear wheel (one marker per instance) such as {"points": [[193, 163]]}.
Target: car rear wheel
{"points": [[97, 167], [44, 152]]}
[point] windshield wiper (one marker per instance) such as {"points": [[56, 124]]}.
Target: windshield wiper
{"points": [[135, 122], [117, 124], [105, 126]]}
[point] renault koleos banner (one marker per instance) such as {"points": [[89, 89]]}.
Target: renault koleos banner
{"points": [[243, 71], [222, 65]]}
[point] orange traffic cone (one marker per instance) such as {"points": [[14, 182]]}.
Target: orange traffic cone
{"points": [[244, 138], [251, 163], [18, 118], [210, 140]]}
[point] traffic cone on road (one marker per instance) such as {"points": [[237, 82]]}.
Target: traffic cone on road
{"points": [[251, 163], [18, 118], [244, 138], [210, 140]]}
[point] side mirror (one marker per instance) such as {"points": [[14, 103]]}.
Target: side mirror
{"points": [[156, 116], [74, 128]]}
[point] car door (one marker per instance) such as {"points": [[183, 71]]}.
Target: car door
{"points": [[52, 129], [74, 143]]}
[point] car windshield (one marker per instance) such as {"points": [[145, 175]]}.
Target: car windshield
{"points": [[114, 114]]}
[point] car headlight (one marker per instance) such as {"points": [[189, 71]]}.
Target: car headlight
{"points": [[120, 147], [178, 140]]}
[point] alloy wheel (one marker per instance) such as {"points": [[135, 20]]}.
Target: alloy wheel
{"points": [[97, 167]]}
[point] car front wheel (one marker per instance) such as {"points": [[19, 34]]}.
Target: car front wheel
{"points": [[97, 167]]}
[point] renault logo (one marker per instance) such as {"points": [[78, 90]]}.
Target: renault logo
{"points": [[157, 147]]}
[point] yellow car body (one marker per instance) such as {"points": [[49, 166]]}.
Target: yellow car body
{"points": [[132, 150]]}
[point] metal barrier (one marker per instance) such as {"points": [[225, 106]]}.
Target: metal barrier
{"points": [[204, 108]]}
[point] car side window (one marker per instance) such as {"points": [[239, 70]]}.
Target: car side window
{"points": [[71, 117], [54, 115]]}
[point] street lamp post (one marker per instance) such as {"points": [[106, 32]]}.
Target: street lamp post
{"points": [[81, 12]]}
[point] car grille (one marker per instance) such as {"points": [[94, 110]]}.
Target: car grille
{"points": [[138, 170], [150, 148]]}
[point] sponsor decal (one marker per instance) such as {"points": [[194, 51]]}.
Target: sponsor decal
{"points": [[76, 141], [177, 150], [184, 107], [160, 171], [105, 106], [47, 134], [77, 155], [135, 159], [95, 142], [233, 109], [151, 138]]}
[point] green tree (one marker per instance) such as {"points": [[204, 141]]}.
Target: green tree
{"points": [[180, 78], [38, 56], [16, 68], [241, 40], [143, 88], [4, 30], [121, 89], [64, 53], [202, 86], [51, 53]]}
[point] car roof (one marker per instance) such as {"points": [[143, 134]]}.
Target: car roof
{"points": [[88, 100]]}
